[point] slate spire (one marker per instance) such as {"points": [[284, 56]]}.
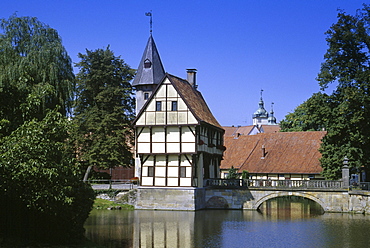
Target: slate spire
{"points": [[150, 70], [149, 74]]}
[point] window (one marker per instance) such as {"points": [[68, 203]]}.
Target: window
{"points": [[147, 63], [150, 171], [182, 171], [174, 106], [158, 106], [146, 96]]}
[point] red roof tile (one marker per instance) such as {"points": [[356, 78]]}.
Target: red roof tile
{"points": [[285, 152], [234, 131], [270, 128]]}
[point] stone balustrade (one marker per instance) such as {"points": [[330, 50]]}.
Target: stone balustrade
{"points": [[273, 184]]}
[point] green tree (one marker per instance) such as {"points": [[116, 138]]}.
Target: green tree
{"points": [[43, 198], [345, 114], [104, 109], [347, 62], [245, 174], [232, 173], [35, 72], [312, 115]]}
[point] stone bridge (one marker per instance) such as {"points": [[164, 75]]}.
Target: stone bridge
{"points": [[328, 194]]}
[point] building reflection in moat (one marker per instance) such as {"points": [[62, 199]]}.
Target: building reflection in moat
{"points": [[204, 228], [163, 229]]}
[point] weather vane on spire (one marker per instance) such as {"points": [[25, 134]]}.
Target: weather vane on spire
{"points": [[261, 93], [151, 21]]}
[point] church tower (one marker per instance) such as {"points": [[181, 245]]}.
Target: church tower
{"points": [[271, 118], [149, 74], [260, 117]]}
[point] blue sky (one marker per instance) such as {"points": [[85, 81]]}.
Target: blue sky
{"points": [[238, 46]]}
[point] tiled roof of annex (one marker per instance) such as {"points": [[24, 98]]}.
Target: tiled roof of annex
{"points": [[236, 131], [194, 100], [285, 152], [270, 128]]}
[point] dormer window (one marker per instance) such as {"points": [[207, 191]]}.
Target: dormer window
{"points": [[147, 63], [146, 96]]}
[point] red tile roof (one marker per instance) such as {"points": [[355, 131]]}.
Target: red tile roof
{"points": [[233, 131], [285, 152], [270, 128]]}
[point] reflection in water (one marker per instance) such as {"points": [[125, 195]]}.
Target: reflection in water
{"points": [[163, 229], [302, 227], [290, 207]]}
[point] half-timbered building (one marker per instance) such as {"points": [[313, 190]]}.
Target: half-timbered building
{"points": [[178, 141]]}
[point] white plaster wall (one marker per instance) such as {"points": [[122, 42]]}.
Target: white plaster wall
{"points": [[160, 171], [173, 134], [185, 182], [158, 148], [187, 135], [160, 181], [161, 91], [158, 134], [172, 182], [173, 147], [143, 148], [173, 172], [147, 180]]}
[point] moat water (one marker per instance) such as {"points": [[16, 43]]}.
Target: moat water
{"points": [[281, 222]]}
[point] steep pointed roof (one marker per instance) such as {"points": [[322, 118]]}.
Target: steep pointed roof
{"points": [[195, 101], [151, 70], [192, 98]]}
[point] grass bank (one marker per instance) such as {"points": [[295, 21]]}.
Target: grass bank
{"points": [[104, 204]]}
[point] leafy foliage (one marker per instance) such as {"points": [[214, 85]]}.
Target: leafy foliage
{"points": [[104, 109], [40, 183], [345, 114], [245, 174], [232, 173], [312, 115], [35, 72]]}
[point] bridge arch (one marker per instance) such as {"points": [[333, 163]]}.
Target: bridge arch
{"points": [[283, 193]]}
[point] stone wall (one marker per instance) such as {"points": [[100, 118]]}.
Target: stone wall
{"points": [[170, 198], [202, 198]]}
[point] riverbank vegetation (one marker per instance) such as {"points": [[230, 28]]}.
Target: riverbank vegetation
{"points": [[106, 204], [44, 147], [345, 113]]}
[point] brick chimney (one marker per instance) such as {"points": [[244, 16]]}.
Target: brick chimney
{"points": [[263, 152], [192, 77]]}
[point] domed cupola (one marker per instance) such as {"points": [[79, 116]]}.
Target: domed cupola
{"points": [[271, 119], [261, 111], [261, 115]]}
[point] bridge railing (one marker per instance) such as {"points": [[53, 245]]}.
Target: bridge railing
{"points": [[273, 184], [112, 184], [224, 183], [301, 184]]}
